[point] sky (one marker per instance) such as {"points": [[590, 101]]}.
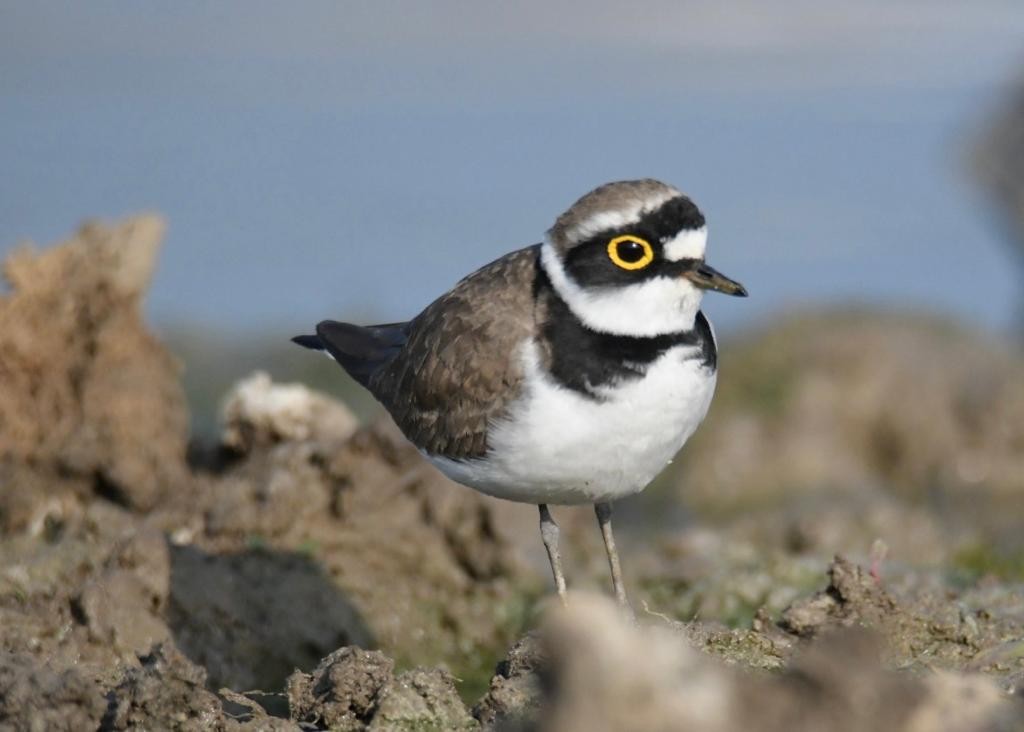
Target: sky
{"points": [[355, 159]]}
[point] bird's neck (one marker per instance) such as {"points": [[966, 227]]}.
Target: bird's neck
{"points": [[589, 361]]}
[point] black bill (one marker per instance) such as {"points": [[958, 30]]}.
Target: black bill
{"points": [[709, 278]]}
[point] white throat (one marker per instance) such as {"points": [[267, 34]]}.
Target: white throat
{"points": [[650, 308]]}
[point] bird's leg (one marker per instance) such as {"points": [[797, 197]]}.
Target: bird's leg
{"points": [[604, 520], [549, 535]]}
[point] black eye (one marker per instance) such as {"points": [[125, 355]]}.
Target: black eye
{"points": [[630, 252]]}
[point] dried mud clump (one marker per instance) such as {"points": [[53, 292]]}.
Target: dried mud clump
{"points": [[513, 698], [344, 691], [91, 402], [165, 691], [355, 690], [853, 596], [259, 413]]}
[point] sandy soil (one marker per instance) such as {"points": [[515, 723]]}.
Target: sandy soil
{"points": [[307, 572]]}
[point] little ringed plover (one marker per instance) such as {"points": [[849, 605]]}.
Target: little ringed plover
{"points": [[568, 372]]}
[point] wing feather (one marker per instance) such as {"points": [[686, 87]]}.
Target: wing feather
{"points": [[458, 368]]}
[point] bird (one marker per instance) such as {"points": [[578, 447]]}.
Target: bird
{"points": [[567, 372]]}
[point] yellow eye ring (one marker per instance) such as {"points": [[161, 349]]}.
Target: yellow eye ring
{"points": [[615, 256]]}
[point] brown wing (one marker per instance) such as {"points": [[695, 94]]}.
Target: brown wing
{"points": [[458, 368]]}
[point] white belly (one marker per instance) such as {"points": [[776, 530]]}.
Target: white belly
{"points": [[561, 447]]}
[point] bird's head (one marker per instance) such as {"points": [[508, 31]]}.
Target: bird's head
{"points": [[628, 258]]}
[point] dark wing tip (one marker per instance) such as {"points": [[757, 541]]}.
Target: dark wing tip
{"points": [[309, 341]]}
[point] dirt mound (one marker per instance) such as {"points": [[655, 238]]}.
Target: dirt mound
{"points": [[428, 565], [139, 591], [589, 668], [90, 402], [297, 537], [268, 566]]}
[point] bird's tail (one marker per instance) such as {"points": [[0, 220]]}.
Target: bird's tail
{"points": [[360, 350]]}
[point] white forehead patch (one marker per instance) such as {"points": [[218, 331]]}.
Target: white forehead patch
{"points": [[625, 216], [687, 244]]}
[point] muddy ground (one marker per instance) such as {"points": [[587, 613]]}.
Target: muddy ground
{"points": [[308, 571]]}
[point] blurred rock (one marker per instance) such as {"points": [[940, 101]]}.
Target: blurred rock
{"points": [[259, 412], [964, 703], [89, 400]]}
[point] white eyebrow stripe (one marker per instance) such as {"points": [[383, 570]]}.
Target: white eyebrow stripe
{"points": [[601, 222], [605, 220], [687, 244]]}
